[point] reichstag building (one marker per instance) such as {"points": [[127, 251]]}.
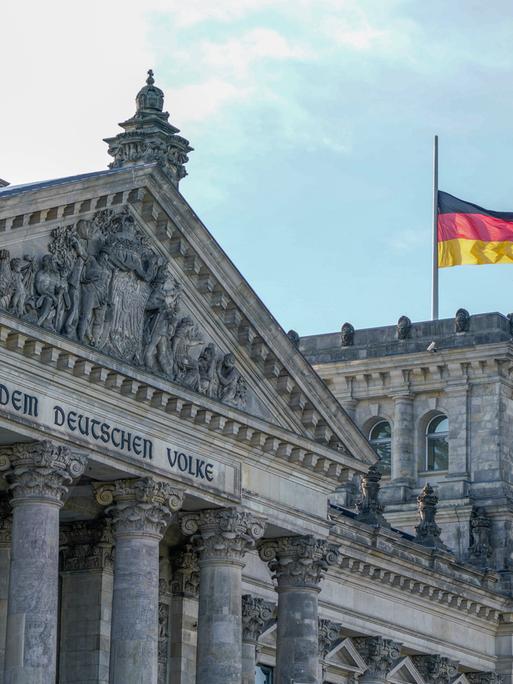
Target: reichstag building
{"points": [[190, 495]]}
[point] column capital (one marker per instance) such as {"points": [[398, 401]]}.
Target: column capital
{"points": [[436, 669], [298, 561], [329, 634], [256, 612], [40, 470], [379, 653], [185, 572], [87, 545], [139, 506], [223, 534]]}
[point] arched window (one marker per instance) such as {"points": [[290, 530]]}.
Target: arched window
{"points": [[380, 438], [437, 444]]}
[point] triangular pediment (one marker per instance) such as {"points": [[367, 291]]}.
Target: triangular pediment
{"points": [[345, 656], [119, 263], [405, 672]]}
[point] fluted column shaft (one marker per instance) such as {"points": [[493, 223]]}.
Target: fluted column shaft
{"points": [[223, 537], [298, 565], [141, 511], [39, 474]]}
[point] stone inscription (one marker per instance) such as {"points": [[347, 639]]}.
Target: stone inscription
{"points": [[62, 418]]}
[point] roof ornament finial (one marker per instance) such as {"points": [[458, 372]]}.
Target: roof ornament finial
{"points": [[148, 136]]}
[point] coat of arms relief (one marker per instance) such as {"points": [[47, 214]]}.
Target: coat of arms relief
{"points": [[102, 284]]}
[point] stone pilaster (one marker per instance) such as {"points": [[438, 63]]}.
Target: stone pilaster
{"points": [[164, 622], [436, 669], [184, 614], [141, 511], [5, 562], [329, 636], [39, 475], [379, 655], [298, 564], [404, 470], [256, 613], [86, 572], [223, 537]]}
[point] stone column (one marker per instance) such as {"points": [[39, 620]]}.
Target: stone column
{"points": [[379, 655], [141, 512], [224, 537], [184, 615], [39, 474], [5, 562], [404, 468], [86, 600], [164, 622], [298, 564], [436, 669], [256, 613]]}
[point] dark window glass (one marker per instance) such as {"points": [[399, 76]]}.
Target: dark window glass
{"points": [[263, 675], [437, 444], [381, 440]]}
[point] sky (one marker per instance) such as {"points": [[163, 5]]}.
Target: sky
{"points": [[312, 123]]}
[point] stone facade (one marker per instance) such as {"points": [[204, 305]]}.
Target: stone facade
{"points": [[179, 485]]}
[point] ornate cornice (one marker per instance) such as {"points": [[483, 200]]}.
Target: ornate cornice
{"points": [[298, 561], [40, 470], [256, 613], [87, 545], [140, 506], [436, 669], [329, 634], [224, 534], [379, 653], [185, 572]]}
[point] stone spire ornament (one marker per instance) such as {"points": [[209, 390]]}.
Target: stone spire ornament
{"points": [[370, 510], [149, 137], [427, 531]]}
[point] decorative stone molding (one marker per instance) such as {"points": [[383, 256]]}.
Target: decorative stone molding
{"points": [[185, 572], [484, 678], [256, 613], [5, 522], [298, 561], [370, 510], [427, 531], [436, 669], [142, 506], [41, 470], [163, 642], [87, 545], [379, 653], [329, 634], [224, 534]]}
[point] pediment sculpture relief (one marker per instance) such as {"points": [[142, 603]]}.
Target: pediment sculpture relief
{"points": [[102, 284]]}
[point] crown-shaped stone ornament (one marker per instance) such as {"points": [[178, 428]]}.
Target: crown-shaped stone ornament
{"points": [[148, 136], [427, 531], [369, 508]]}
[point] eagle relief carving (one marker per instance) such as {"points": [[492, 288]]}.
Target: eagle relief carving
{"points": [[102, 284]]}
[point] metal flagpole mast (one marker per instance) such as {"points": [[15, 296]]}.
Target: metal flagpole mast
{"points": [[434, 290]]}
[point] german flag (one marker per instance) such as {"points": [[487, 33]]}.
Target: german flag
{"points": [[468, 234]]}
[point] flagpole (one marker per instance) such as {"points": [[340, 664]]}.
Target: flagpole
{"points": [[434, 289]]}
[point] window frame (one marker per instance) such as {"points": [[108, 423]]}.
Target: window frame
{"points": [[433, 437], [377, 441]]}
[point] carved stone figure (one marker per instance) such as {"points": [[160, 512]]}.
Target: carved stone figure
{"points": [[347, 335], [160, 324], [52, 294], [403, 328], [206, 369], [369, 508], [227, 376], [294, 338], [462, 321], [427, 531], [101, 283], [480, 549]]}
